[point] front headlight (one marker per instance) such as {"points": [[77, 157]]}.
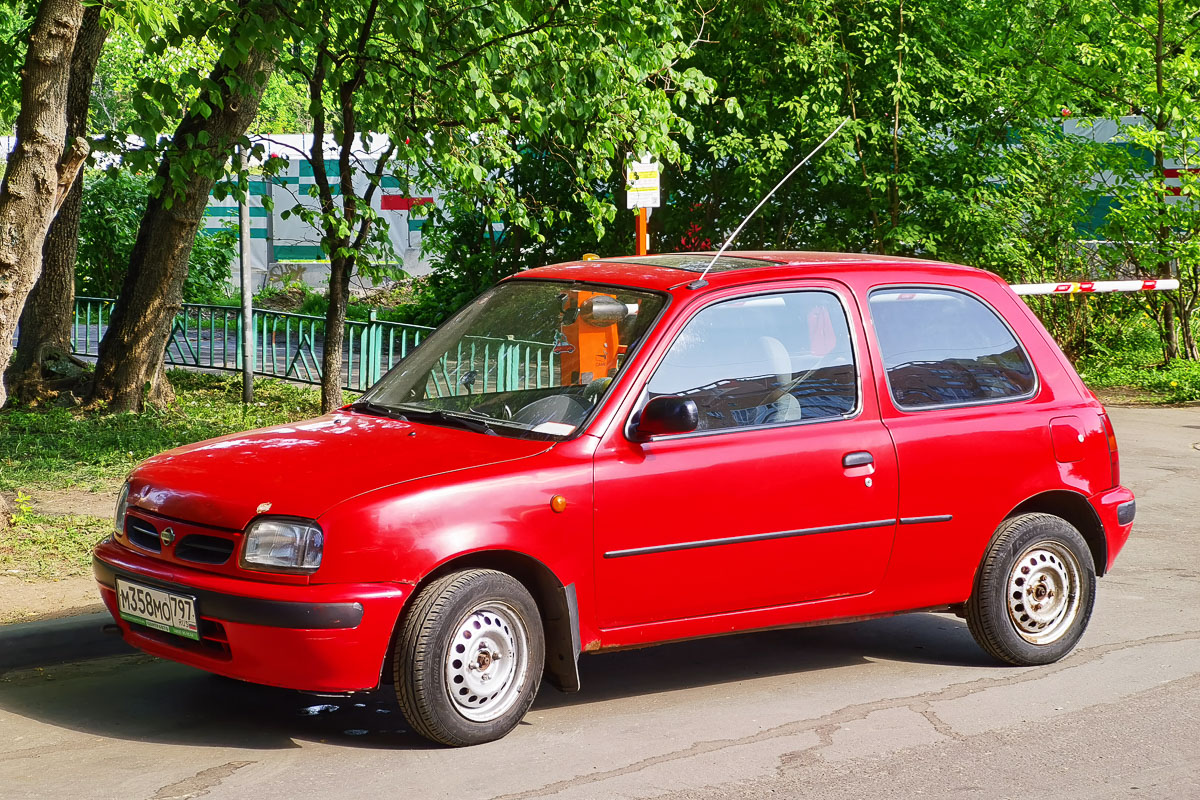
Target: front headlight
{"points": [[122, 509], [283, 544]]}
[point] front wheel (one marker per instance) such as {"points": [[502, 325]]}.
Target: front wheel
{"points": [[1034, 591], [469, 657]]}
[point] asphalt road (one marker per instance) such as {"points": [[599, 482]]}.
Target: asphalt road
{"points": [[900, 708]]}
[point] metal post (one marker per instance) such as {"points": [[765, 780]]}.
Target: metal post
{"points": [[643, 237], [269, 182], [247, 291]]}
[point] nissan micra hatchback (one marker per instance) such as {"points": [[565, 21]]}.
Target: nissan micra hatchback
{"points": [[618, 452]]}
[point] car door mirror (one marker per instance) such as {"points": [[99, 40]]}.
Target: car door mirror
{"points": [[667, 414]]}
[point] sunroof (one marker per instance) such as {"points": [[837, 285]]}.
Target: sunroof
{"points": [[697, 262]]}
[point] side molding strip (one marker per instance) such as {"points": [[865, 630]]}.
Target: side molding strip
{"points": [[753, 537], [923, 520]]}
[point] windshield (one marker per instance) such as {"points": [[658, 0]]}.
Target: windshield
{"points": [[526, 358]]}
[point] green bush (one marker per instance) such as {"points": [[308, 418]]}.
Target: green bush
{"points": [[113, 205], [1134, 357], [466, 261]]}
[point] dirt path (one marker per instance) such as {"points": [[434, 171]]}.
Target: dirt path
{"points": [[76, 501], [27, 601]]}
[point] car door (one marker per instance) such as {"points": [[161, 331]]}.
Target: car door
{"points": [[786, 492]]}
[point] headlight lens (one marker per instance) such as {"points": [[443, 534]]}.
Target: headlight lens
{"points": [[122, 509], [278, 544]]}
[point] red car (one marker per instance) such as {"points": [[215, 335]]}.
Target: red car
{"points": [[617, 452]]}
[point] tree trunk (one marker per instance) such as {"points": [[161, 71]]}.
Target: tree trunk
{"points": [[131, 349], [49, 310], [1170, 333], [1184, 312], [1162, 236], [340, 270], [29, 193]]}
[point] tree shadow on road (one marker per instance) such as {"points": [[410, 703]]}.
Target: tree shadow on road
{"points": [[140, 698]]}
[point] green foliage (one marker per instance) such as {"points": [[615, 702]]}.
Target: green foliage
{"points": [[57, 447], [16, 17], [155, 74], [1135, 360], [22, 508], [129, 63], [462, 91], [113, 204], [1127, 56], [467, 260], [208, 266]]}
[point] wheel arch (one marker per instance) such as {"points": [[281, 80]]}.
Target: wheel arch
{"points": [[556, 602], [1075, 509]]}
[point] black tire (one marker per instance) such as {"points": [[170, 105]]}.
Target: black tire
{"points": [[1034, 591], [489, 619]]}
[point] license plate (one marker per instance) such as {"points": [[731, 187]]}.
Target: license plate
{"points": [[154, 608]]}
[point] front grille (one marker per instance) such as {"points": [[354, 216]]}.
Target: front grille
{"points": [[143, 534], [204, 549]]}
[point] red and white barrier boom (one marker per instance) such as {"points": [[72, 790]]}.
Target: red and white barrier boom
{"points": [[1097, 287]]}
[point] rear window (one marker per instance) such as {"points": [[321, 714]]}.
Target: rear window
{"points": [[942, 347]]}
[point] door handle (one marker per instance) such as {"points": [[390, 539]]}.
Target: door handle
{"points": [[859, 458]]}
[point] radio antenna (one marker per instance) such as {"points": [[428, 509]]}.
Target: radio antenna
{"points": [[699, 283]]}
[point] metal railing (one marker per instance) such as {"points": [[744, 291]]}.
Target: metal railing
{"points": [[291, 346]]}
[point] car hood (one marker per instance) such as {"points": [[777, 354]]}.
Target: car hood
{"points": [[305, 468]]}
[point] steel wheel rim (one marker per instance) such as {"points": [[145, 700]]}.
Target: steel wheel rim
{"points": [[1043, 592], [487, 661]]}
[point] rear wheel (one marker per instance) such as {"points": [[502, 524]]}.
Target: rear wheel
{"points": [[1034, 591], [469, 657]]}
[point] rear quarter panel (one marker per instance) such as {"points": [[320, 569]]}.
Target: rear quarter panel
{"points": [[977, 463]]}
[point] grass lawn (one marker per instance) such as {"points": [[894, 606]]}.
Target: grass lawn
{"points": [[51, 546], [81, 460], [61, 448]]}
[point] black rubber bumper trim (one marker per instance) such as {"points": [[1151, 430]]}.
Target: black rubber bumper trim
{"points": [[1126, 512], [753, 537], [246, 610]]}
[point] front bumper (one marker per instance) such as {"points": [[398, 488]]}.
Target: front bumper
{"points": [[1115, 507], [313, 637]]}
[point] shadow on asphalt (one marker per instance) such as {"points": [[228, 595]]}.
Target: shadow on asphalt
{"points": [[139, 698]]}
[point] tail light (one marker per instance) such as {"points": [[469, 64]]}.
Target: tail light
{"points": [[1113, 457]]}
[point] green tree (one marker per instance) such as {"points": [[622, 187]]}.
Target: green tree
{"points": [[15, 19], [214, 111], [113, 204], [40, 170], [1139, 58], [459, 91]]}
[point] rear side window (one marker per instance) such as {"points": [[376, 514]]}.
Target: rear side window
{"points": [[943, 347], [763, 360]]}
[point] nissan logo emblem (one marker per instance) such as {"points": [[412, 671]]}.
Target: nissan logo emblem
{"points": [[167, 536]]}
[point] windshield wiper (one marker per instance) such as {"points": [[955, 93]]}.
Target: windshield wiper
{"points": [[379, 410], [456, 420]]}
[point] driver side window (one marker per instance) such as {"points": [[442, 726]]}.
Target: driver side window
{"points": [[763, 360]]}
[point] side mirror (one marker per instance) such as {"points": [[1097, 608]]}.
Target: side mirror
{"points": [[667, 414]]}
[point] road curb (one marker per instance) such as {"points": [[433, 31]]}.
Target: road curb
{"points": [[58, 641]]}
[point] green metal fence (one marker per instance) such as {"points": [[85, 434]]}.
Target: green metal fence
{"points": [[290, 346]]}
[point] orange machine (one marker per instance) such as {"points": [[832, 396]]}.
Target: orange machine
{"points": [[592, 339]]}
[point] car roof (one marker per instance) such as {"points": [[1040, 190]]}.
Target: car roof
{"points": [[665, 271]]}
